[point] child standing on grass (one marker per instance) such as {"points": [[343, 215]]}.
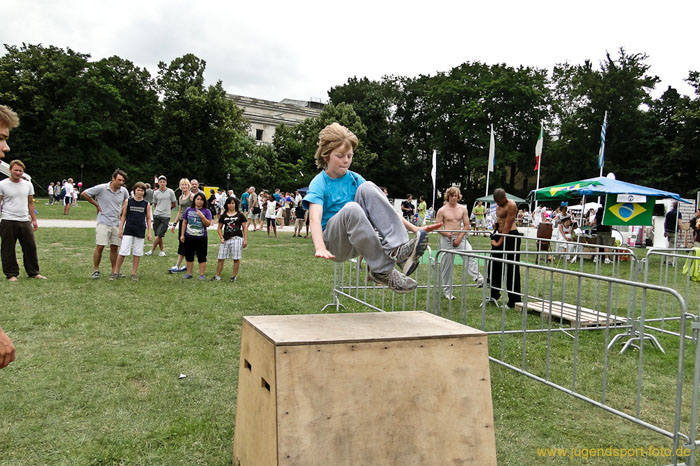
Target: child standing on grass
{"points": [[271, 214], [345, 210], [300, 218], [233, 232], [196, 220], [135, 219]]}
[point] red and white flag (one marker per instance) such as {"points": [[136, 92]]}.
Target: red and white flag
{"points": [[538, 148]]}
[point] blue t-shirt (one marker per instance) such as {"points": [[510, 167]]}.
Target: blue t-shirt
{"points": [[332, 193]]}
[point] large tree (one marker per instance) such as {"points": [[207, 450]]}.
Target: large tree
{"points": [[621, 86], [296, 146], [452, 113], [681, 166], [199, 126], [39, 83], [375, 104]]}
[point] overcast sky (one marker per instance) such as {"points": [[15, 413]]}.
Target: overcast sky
{"points": [[299, 49]]}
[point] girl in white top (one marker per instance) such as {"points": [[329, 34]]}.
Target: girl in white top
{"points": [[565, 230], [270, 214]]}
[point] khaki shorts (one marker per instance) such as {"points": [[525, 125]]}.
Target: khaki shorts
{"points": [[106, 234]]}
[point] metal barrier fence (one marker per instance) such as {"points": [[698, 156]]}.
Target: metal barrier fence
{"points": [[594, 311]]}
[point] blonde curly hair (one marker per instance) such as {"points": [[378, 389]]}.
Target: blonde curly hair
{"points": [[330, 138], [8, 117]]}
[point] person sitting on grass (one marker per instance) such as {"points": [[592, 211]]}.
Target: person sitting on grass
{"points": [[135, 219], [233, 233], [345, 210], [196, 220]]}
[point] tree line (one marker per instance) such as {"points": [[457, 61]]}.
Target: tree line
{"points": [[84, 118]]}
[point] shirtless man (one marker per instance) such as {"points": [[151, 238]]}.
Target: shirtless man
{"points": [[455, 220], [505, 215]]}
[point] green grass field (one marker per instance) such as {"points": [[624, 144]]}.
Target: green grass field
{"points": [[96, 380]]}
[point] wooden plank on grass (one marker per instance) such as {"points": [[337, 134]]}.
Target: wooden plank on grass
{"points": [[565, 311]]}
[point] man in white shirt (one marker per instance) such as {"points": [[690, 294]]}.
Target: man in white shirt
{"points": [[18, 224], [108, 198]]}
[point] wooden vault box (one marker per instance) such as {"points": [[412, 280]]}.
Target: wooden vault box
{"points": [[394, 389]]}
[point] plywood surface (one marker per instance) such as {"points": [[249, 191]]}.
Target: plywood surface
{"points": [[411, 402], [355, 328], [255, 439]]}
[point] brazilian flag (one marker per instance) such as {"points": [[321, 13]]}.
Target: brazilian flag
{"points": [[628, 213]]}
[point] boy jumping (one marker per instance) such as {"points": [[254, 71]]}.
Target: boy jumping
{"points": [[344, 211]]}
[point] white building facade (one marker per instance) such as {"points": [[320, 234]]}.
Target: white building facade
{"points": [[265, 115]]}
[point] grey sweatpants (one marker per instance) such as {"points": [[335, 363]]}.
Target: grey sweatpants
{"points": [[350, 232], [448, 260]]}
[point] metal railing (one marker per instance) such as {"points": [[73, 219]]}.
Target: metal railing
{"points": [[586, 367], [584, 309]]}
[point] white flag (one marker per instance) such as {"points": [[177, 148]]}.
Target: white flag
{"points": [[492, 151], [433, 172], [538, 148]]}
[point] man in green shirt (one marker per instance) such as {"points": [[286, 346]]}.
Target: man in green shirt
{"points": [[422, 209], [480, 214]]}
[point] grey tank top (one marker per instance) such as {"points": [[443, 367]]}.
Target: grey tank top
{"points": [[185, 203]]}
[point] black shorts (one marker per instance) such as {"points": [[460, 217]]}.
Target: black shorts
{"points": [[271, 222], [180, 244], [196, 245]]}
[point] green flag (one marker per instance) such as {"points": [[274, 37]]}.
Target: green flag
{"points": [[563, 191], [628, 213]]}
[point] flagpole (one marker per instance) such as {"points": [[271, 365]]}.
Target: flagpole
{"points": [[538, 154], [601, 152], [433, 175], [492, 156]]}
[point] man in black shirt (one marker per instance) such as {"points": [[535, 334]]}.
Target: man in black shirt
{"points": [[603, 234], [407, 208], [671, 225]]}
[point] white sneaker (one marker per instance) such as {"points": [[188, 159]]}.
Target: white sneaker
{"points": [[480, 281], [608, 261], [149, 253], [450, 297], [161, 254]]}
